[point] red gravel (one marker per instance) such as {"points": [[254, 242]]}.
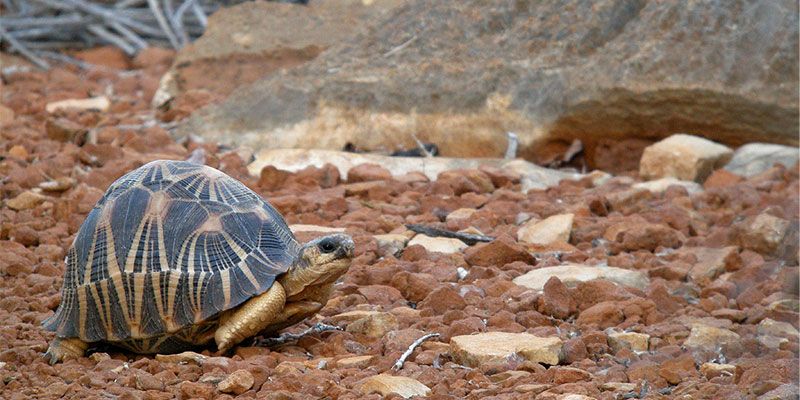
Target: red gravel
{"points": [[86, 151]]}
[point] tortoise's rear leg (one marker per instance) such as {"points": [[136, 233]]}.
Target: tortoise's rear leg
{"points": [[250, 318], [61, 349]]}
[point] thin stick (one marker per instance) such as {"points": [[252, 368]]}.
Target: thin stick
{"points": [[162, 21], [111, 38], [21, 49], [398, 365], [293, 337], [468, 238], [400, 47], [130, 35]]}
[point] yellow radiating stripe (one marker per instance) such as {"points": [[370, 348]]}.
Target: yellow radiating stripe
{"points": [[155, 279], [101, 310], [242, 255], [130, 259], [191, 269], [81, 311], [174, 280], [226, 287], [138, 291], [116, 275]]}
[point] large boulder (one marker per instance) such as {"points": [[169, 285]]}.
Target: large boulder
{"points": [[462, 74], [253, 40]]}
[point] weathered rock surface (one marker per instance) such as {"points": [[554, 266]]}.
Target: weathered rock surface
{"points": [[253, 40], [571, 274], [755, 158], [632, 340], [710, 338], [438, 244], [554, 229], [684, 157], [603, 73], [237, 383], [385, 385], [474, 350]]}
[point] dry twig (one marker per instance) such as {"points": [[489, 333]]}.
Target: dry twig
{"points": [[398, 365], [468, 238]]}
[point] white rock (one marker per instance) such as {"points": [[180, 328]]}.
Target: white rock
{"points": [[684, 157], [237, 383], [553, 229], [755, 158], [293, 160], [709, 338], [385, 384], [572, 274], [314, 228], [390, 243], [711, 370], [99, 103], [438, 244], [474, 350], [661, 185], [461, 213], [769, 326], [632, 340]]}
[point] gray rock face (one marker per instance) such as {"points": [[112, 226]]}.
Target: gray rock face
{"points": [[463, 74], [755, 158]]}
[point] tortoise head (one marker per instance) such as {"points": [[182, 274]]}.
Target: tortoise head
{"points": [[322, 260]]}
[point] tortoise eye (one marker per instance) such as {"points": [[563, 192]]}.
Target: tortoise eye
{"points": [[327, 246]]}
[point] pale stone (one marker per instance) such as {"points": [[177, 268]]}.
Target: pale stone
{"points": [[772, 342], [553, 229], [294, 160], [100, 103], [438, 244], [755, 158], [181, 358], [661, 185], [391, 243], [710, 261], [314, 228], [684, 157], [351, 316], [474, 350], [618, 386], [505, 375], [25, 201], [374, 325], [354, 362], [764, 234], [237, 383], [461, 213], [711, 370], [709, 338], [532, 388], [769, 326], [385, 384], [18, 152], [58, 185], [572, 274], [632, 340]]}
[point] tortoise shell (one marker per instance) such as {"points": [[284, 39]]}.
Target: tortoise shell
{"points": [[169, 246]]}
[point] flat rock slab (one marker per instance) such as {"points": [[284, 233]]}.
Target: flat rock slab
{"points": [[387, 384], [553, 229], [685, 157], [571, 274], [438, 244], [474, 350]]}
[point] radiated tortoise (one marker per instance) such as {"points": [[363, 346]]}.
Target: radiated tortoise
{"points": [[177, 254]]}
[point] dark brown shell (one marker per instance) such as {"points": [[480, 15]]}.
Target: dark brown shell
{"points": [[169, 245]]}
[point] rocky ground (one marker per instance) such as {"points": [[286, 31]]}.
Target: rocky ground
{"points": [[598, 288]]}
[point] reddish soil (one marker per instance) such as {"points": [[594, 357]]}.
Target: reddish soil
{"points": [[80, 153]]}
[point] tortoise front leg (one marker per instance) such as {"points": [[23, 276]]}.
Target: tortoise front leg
{"points": [[61, 349], [250, 318]]}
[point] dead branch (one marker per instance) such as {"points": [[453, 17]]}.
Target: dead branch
{"points": [[398, 365], [468, 238]]}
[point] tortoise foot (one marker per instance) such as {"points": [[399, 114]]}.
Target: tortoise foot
{"points": [[63, 349]]}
